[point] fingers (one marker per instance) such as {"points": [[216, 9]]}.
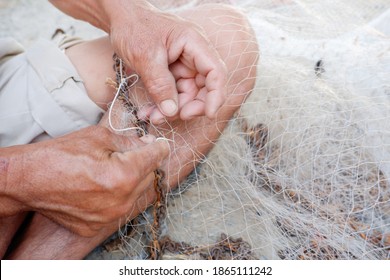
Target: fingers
{"points": [[212, 69], [145, 159], [144, 194], [74, 224], [179, 70], [200, 62], [123, 143], [188, 92], [159, 81], [187, 54], [216, 95]]}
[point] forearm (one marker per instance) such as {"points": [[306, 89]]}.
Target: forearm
{"points": [[11, 174], [101, 13]]}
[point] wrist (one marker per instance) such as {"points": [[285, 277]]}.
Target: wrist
{"points": [[103, 14], [120, 13], [91, 11]]}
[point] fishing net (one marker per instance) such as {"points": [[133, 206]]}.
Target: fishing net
{"points": [[302, 170]]}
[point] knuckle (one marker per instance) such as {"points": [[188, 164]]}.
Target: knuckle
{"points": [[85, 231], [134, 179], [112, 215], [160, 88], [121, 211], [155, 156], [113, 185], [195, 33]]}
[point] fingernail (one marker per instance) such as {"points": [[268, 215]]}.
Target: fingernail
{"points": [[168, 107], [156, 117], [144, 113], [164, 140], [158, 121], [147, 139]]}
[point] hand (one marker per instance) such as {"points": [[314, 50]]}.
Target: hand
{"points": [[89, 179], [180, 68]]}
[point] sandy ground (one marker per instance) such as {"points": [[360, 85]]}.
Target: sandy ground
{"points": [[28, 20]]}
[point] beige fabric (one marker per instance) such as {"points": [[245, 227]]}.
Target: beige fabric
{"points": [[8, 49], [65, 41], [41, 94]]}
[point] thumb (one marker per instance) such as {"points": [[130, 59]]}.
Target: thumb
{"points": [[160, 83], [147, 158]]}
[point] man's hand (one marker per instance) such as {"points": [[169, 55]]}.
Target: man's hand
{"points": [[85, 180], [180, 68]]}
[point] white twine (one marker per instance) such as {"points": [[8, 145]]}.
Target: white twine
{"points": [[122, 83]]}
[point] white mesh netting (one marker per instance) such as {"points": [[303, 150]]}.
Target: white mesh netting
{"points": [[302, 171]]}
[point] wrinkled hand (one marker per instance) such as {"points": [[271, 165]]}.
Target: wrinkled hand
{"points": [[89, 179], [180, 68]]}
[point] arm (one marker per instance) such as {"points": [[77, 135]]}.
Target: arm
{"points": [[10, 174], [91, 11]]}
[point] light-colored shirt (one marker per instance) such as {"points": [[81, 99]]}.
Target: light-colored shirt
{"points": [[41, 94]]}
